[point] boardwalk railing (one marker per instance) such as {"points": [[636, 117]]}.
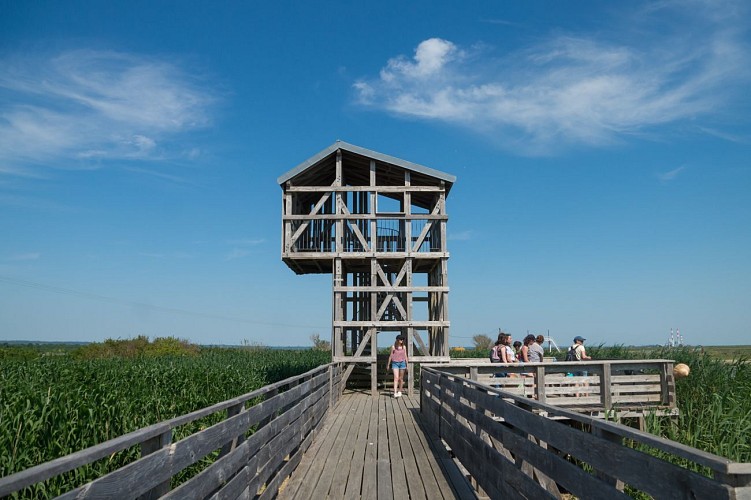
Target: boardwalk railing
{"points": [[618, 388], [260, 441], [514, 447]]}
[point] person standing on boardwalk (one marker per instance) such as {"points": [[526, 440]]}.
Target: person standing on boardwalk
{"points": [[507, 352], [518, 351], [578, 350], [578, 353], [534, 352], [398, 363]]}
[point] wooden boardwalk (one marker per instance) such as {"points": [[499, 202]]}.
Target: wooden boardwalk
{"points": [[376, 448]]}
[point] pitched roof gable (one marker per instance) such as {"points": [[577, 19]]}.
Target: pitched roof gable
{"points": [[315, 159]]}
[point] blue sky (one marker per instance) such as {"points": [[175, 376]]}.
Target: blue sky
{"points": [[602, 153]]}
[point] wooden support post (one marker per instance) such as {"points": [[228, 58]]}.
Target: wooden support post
{"points": [[148, 447], [540, 380], [606, 389], [237, 440], [615, 438]]}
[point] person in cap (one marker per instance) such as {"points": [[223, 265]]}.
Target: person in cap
{"points": [[580, 353]]}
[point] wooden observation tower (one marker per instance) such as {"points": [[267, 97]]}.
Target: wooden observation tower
{"points": [[377, 224]]}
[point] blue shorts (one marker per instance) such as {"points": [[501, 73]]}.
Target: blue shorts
{"points": [[401, 365]]}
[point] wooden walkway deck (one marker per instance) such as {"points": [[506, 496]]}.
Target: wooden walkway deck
{"points": [[376, 448]]}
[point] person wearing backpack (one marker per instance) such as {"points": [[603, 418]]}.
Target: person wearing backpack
{"points": [[577, 352], [495, 355]]}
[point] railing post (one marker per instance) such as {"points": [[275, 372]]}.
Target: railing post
{"points": [[667, 385], [740, 483], [148, 447], [331, 386], [606, 389], [440, 403], [540, 379], [235, 441]]}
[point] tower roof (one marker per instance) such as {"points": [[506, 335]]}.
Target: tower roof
{"points": [[322, 157]]}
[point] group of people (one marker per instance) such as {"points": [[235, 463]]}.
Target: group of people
{"points": [[507, 351], [530, 351], [504, 351]]}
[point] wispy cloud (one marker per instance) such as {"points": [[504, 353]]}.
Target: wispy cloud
{"points": [[248, 242], [237, 253], [25, 256], [576, 89], [671, 175], [170, 255], [461, 235], [82, 108], [242, 247]]}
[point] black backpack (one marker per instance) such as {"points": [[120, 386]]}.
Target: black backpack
{"points": [[571, 354]]}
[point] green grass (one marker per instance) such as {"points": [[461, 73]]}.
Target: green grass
{"points": [[54, 400]]}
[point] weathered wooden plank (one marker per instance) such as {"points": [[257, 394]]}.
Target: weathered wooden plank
{"points": [[240, 485], [216, 475], [309, 426], [636, 398], [421, 453], [635, 379], [370, 468], [384, 487], [274, 486], [475, 464], [346, 455], [212, 477], [330, 462], [412, 486], [360, 445], [505, 475], [272, 456], [565, 473], [304, 480]]}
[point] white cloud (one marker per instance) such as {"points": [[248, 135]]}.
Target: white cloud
{"points": [[242, 247], [247, 242], [431, 57], [671, 175], [461, 235], [574, 89], [25, 256], [237, 253], [83, 106]]}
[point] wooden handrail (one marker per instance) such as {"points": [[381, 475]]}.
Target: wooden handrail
{"points": [[608, 384], [511, 443]]}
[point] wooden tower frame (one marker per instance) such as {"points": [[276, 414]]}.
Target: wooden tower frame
{"points": [[377, 224]]}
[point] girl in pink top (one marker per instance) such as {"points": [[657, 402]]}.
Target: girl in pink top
{"points": [[398, 363]]}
